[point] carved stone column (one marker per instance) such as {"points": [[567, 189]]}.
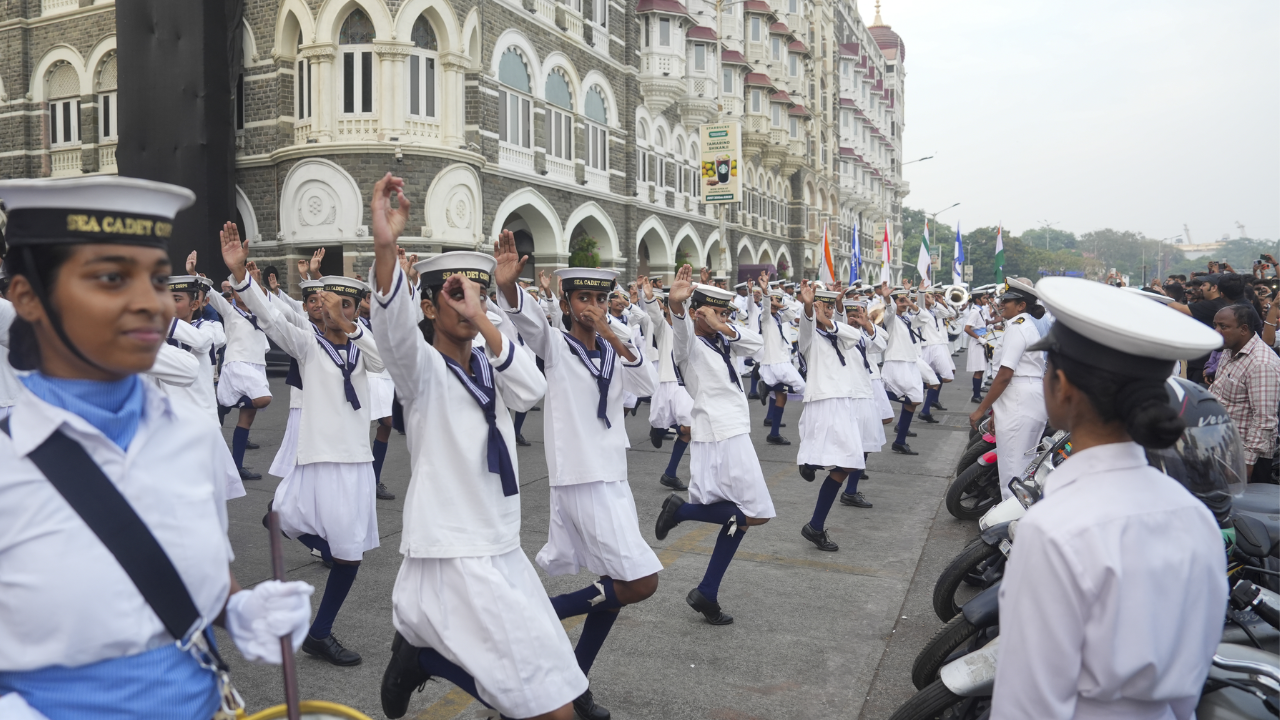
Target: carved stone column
{"points": [[452, 108], [323, 103], [391, 107]]}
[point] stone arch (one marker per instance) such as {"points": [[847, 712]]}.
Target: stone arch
{"points": [[97, 56], [596, 224], [294, 17], [527, 211], [57, 54], [248, 218], [334, 12], [644, 125], [653, 235], [720, 262], [441, 16], [746, 252], [319, 202], [784, 252], [597, 78], [453, 206], [512, 38], [688, 233], [471, 31], [559, 61], [765, 254]]}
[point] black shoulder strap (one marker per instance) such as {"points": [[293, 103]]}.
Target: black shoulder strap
{"points": [[95, 498]]}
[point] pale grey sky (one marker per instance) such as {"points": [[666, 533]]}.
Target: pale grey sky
{"points": [[1135, 115]]}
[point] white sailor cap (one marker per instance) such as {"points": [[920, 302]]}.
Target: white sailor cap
{"points": [[104, 209], [775, 292], [818, 285], [850, 303], [526, 280], [594, 279], [1015, 289], [740, 286], [711, 295], [826, 295], [310, 287], [720, 277], [206, 282], [1148, 294], [474, 266], [656, 277], [1105, 327], [340, 285], [184, 283], [899, 292], [788, 286]]}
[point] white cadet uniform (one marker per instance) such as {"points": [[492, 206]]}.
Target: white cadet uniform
{"points": [[901, 371], [382, 391], [827, 437], [867, 410], [287, 454], [594, 523], [932, 324], [465, 588], [1112, 606], [741, 311], [774, 356], [9, 383], [244, 365], [330, 492], [723, 464], [1019, 411], [976, 358], [199, 339], [672, 405], [875, 358]]}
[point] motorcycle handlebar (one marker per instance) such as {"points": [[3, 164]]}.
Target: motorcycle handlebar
{"points": [[1247, 596]]}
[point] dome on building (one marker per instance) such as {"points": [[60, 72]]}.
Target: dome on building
{"points": [[888, 40]]}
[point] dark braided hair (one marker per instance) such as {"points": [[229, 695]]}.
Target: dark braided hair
{"points": [[1141, 404]]}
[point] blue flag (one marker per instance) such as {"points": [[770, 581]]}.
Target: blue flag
{"points": [[855, 263], [957, 267]]}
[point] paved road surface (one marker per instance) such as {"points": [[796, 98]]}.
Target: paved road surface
{"points": [[817, 635]]}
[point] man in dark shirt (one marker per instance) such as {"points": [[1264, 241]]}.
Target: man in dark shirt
{"points": [[1205, 302]]}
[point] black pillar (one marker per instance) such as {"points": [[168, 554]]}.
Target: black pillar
{"points": [[177, 64]]}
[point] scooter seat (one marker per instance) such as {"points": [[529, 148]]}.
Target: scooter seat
{"points": [[1259, 498], [1255, 536]]}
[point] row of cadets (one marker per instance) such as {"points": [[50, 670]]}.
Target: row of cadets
{"points": [[591, 369], [467, 606], [741, 310], [931, 323], [309, 317], [875, 358], [871, 408], [326, 501], [80, 640], [242, 381], [672, 406], [726, 484], [1016, 398], [975, 326], [9, 384], [901, 369], [382, 394], [829, 435], [778, 375]]}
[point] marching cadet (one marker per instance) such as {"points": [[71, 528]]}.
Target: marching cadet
{"points": [[726, 484], [829, 438], [976, 358], [467, 605], [382, 392], [1016, 397], [868, 412], [901, 371], [197, 336], [312, 318], [326, 502], [778, 376], [111, 496], [931, 323], [594, 525], [875, 358], [672, 406]]}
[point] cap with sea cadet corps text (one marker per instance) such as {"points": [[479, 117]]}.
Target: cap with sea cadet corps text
{"points": [[711, 295], [184, 283], [591, 279], [310, 287], [105, 210], [474, 266], [341, 285]]}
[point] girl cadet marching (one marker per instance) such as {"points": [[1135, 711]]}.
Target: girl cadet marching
{"points": [[382, 392], [593, 524], [778, 376], [312, 318], [867, 413], [1016, 398], [976, 356], [468, 606], [199, 336], [672, 406], [726, 485], [901, 373], [1114, 609], [828, 436], [932, 325], [326, 501], [113, 528]]}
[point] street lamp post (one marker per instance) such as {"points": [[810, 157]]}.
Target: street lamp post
{"points": [[934, 216], [1047, 226]]}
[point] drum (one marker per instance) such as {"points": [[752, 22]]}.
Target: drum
{"points": [[311, 710]]}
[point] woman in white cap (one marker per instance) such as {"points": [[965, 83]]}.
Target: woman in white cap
{"points": [[1113, 602], [326, 502], [778, 376], [901, 369], [1016, 399], [975, 326], [468, 606], [113, 525], [672, 406], [870, 404]]}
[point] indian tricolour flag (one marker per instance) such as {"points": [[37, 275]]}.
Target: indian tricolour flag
{"points": [[826, 264], [924, 263], [886, 276], [1000, 253]]}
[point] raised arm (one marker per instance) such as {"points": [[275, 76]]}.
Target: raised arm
{"points": [[190, 336], [175, 366], [521, 308]]}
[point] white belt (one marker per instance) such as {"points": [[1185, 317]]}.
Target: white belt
{"points": [[1026, 379]]}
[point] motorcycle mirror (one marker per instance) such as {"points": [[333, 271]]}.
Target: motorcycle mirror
{"points": [[1026, 493]]}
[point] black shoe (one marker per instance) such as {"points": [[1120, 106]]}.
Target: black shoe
{"points": [[587, 708], [764, 397], [401, 678], [250, 445], [903, 449], [672, 482], [808, 472], [929, 419], [634, 409], [522, 442], [938, 406], [330, 650], [754, 396], [777, 440], [975, 399], [657, 435], [819, 538], [383, 493], [856, 500], [247, 474], [536, 408], [710, 609], [667, 516], [769, 424]]}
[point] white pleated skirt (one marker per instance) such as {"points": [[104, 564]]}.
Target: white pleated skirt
{"points": [[939, 359], [975, 359], [492, 617], [287, 455], [594, 525], [828, 437], [381, 392], [671, 405], [884, 408], [729, 470], [332, 500], [242, 379], [903, 379], [230, 473], [868, 416], [783, 373]]}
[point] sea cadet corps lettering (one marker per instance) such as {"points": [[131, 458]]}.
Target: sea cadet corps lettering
{"points": [[118, 226]]}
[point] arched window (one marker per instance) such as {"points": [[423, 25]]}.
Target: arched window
{"points": [[660, 145], [643, 172], [677, 151], [695, 172], [356, 37], [302, 85], [108, 129], [515, 101], [559, 115], [597, 130], [422, 71], [64, 105]]}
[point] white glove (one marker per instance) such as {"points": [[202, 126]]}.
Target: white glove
{"points": [[14, 707], [258, 618]]}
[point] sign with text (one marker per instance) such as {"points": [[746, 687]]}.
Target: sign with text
{"points": [[721, 145]]}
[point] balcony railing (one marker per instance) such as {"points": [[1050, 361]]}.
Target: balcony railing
{"points": [[107, 158], [300, 132], [596, 36], [66, 162], [778, 136], [559, 168], [424, 129], [49, 7], [597, 180], [757, 124], [357, 128], [514, 156], [734, 106], [569, 20], [702, 87], [662, 63], [543, 8]]}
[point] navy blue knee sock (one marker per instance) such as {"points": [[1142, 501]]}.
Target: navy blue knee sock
{"points": [[341, 578], [777, 418], [930, 397], [579, 602], [436, 665], [379, 455], [852, 487], [677, 452], [239, 438], [977, 385], [904, 424], [519, 421], [315, 542], [726, 546], [826, 496], [594, 631], [716, 513]]}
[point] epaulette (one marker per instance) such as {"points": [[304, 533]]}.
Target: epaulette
{"points": [[1019, 321]]}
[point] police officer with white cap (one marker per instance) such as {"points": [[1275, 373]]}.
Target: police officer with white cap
{"points": [[1112, 604]]}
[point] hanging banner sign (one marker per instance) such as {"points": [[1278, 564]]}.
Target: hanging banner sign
{"points": [[721, 145]]}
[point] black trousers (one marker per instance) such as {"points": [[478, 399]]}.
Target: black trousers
{"points": [[1262, 471]]}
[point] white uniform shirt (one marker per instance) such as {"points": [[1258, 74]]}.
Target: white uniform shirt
{"points": [[720, 408], [244, 342], [776, 348], [1113, 601], [199, 340], [10, 386], [742, 309], [932, 323], [330, 430], [662, 331], [827, 377], [174, 368], [899, 346], [977, 320], [297, 316], [64, 599], [1019, 333], [580, 448], [455, 506], [864, 372]]}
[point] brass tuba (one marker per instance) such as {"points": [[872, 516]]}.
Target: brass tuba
{"points": [[956, 295]]}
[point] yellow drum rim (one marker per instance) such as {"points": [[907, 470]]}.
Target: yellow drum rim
{"points": [[309, 706]]}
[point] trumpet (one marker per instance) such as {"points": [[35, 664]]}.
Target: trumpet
{"points": [[955, 295], [875, 312]]}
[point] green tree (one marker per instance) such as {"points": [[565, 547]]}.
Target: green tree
{"points": [[582, 252], [682, 258], [1049, 239], [941, 238]]}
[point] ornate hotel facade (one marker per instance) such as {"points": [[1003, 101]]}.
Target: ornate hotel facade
{"points": [[561, 120]]}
